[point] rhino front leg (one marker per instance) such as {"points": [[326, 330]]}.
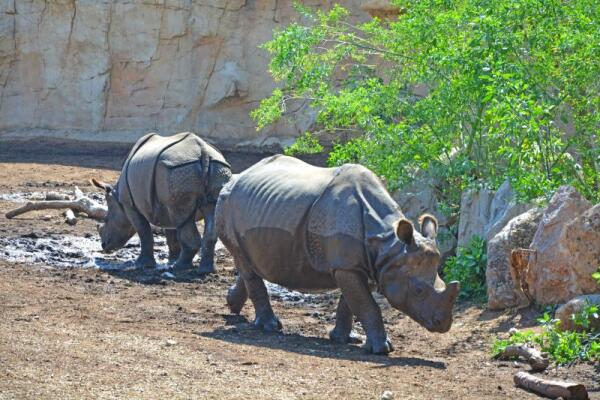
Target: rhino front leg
{"points": [[207, 252], [144, 231], [173, 244], [265, 317], [344, 319], [189, 239], [355, 290]]}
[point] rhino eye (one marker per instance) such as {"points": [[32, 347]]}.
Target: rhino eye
{"points": [[418, 289]]}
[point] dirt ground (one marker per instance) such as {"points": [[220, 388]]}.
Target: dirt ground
{"points": [[74, 333]]}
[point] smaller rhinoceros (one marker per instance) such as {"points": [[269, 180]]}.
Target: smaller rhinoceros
{"points": [[310, 229], [170, 182]]}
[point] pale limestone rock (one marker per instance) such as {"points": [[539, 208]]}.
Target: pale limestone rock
{"points": [[517, 233], [504, 207], [574, 306], [475, 214], [566, 246], [114, 68], [583, 244]]}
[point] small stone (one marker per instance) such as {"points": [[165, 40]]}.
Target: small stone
{"points": [[46, 217], [387, 395], [170, 342]]}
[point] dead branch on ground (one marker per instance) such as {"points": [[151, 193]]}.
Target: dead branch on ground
{"points": [[80, 204], [550, 388], [534, 358]]}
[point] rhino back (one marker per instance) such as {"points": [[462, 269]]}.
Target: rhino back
{"points": [[349, 222], [294, 224], [261, 217], [138, 181]]}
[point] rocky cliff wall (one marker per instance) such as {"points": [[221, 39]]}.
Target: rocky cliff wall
{"points": [[115, 69]]}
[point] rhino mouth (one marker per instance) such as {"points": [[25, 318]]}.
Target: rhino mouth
{"points": [[439, 325], [107, 249]]}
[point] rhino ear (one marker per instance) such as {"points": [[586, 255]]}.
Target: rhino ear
{"points": [[405, 230], [429, 226], [101, 185]]}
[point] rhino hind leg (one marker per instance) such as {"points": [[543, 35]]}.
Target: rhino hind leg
{"points": [[344, 319], [189, 239], [237, 296], [265, 317], [355, 290], [173, 244], [207, 251], [144, 231]]}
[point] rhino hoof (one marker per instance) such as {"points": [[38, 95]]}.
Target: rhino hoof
{"points": [[382, 347], [271, 324], [236, 300], [206, 268], [340, 338], [145, 262]]}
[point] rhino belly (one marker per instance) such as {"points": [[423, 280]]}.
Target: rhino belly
{"points": [[279, 257]]}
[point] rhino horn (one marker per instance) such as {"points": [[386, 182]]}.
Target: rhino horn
{"points": [[447, 297], [451, 292]]}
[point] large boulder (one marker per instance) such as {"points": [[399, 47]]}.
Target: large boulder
{"points": [[504, 207], [518, 233], [583, 243], [574, 306], [566, 249], [475, 214]]}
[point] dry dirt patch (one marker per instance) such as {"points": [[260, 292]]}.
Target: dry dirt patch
{"points": [[87, 333]]}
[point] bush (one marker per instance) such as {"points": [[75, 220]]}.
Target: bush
{"points": [[562, 347], [470, 92], [468, 267], [306, 144]]}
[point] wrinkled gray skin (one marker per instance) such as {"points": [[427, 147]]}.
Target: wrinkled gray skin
{"points": [[311, 229], [167, 196]]}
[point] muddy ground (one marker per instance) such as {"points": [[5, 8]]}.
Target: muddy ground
{"points": [[75, 323]]}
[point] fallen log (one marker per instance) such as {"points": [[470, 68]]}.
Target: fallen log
{"points": [[80, 204], [550, 388], [534, 358], [57, 196]]}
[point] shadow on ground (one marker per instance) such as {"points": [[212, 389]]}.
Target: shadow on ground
{"points": [[151, 276], [239, 331]]}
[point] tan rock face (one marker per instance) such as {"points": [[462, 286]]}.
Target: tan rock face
{"points": [[567, 249], [115, 66], [518, 233]]}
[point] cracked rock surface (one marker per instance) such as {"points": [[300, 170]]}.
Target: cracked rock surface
{"points": [[122, 68]]}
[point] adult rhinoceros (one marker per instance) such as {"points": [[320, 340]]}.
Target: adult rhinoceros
{"points": [[309, 229], [170, 182]]}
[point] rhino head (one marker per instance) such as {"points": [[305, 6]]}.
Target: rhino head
{"points": [[116, 229], [409, 278]]}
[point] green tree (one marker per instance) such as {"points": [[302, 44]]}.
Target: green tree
{"points": [[470, 92]]}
